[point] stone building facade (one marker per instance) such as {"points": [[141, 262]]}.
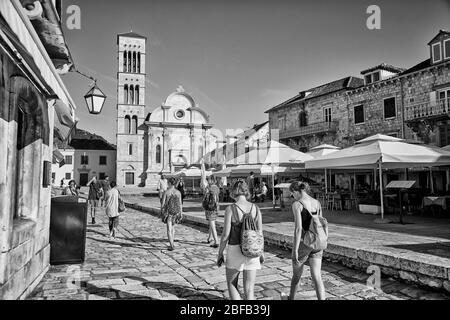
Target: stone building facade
{"points": [[233, 143], [86, 155], [33, 54], [411, 104], [174, 135], [315, 116]]}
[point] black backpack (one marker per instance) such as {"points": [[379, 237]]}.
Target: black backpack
{"points": [[209, 202]]}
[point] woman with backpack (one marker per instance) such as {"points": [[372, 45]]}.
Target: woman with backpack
{"points": [[171, 210], [211, 205], [241, 242], [307, 214]]}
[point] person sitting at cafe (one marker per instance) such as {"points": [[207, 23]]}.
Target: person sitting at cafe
{"points": [[261, 195]]}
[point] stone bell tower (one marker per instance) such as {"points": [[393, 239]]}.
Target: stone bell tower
{"points": [[130, 109]]}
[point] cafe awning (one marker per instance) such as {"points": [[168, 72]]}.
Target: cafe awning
{"points": [[392, 152]]}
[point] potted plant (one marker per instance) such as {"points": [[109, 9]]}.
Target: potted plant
{"points": [[370, 204]]}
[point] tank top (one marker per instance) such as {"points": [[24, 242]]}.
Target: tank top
{"points": [[236, 227], [306, 217]]}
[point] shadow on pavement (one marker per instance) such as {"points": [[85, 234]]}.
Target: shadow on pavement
{"points": [[179, 291]]}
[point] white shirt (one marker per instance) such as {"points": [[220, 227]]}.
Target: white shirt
{"points": [[162, 185]]}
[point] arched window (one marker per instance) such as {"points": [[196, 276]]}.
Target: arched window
{"points": [[127, 124], [131, 97], [136, 95], [129, 61], [134, 122], [124, 61], [134, 61], [302, 121], [125, 94], [139, 62], [158, 153]]}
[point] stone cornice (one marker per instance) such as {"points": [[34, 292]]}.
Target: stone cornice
{"points": [[178, 125]]}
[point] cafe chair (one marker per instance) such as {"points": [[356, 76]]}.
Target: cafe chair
{"points": [[337, 202], [329, 201], [321, 197]]}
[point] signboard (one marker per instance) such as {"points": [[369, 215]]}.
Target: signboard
{"points": [[400, 184]]}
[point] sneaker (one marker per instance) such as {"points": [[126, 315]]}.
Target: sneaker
{"points": [[215, 245], [284, 296]]}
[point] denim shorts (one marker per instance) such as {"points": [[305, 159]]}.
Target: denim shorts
{"points": [[304, 253]]}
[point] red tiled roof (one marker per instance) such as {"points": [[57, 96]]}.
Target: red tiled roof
{"points": [[341, 84], [422, 65]]}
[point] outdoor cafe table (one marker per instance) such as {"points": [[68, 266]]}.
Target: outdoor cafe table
{"points": [[437, 201]]}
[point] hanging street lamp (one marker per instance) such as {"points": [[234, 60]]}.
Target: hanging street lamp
{"points": [[95, 99]]}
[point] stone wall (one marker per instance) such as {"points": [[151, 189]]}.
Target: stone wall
{"points": [[25, 222]]}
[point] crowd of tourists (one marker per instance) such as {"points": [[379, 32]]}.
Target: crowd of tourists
{"points": [[241, 247]]}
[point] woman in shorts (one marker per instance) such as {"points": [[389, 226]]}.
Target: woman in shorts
{"points": [[211, 215], [236, 262], [171, 210], [303, 206]]}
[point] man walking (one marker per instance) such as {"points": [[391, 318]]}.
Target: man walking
{"points": [[106, 187], [95, 192], [162, 187]]}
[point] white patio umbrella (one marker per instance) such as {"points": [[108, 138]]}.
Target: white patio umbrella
{"points": [[223, 173], [275, 152], [192, 172], [383, 152], [320, 151]]}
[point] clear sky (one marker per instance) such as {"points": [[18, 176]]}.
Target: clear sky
{"points": [[239, 58]]}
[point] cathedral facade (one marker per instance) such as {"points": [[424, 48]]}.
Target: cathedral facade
{"points": [[171, 137]]}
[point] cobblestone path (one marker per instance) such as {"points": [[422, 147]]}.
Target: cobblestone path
{"points": [[137, 265]]}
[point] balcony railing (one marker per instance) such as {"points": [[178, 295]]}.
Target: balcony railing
{"points": [[313, 128], [427, 110]]}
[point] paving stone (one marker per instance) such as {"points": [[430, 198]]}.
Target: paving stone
{"points": [[144, 269]]}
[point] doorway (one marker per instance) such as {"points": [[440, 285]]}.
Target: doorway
{"points": [[83, 179]]}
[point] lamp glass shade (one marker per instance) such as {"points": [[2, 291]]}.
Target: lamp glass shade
{"points": [[95, 99]]}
